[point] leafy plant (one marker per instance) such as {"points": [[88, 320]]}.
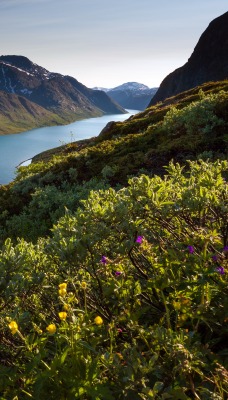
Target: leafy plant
{"points": [[127, 299]]}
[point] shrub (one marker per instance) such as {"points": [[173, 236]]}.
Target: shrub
{"points": [[128, 299]]}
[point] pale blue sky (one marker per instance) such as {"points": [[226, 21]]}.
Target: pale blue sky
{"points": [[106, 42]]}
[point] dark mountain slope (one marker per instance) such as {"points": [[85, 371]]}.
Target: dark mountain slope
{"points": [[208, 62], [97, 97]]}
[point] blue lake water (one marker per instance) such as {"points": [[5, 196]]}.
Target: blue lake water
{"points": [[16, 148]]}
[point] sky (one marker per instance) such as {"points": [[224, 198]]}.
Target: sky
{"points": [[106, 43]]}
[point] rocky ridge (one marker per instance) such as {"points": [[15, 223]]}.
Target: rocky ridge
{"points": [[208, 62]]}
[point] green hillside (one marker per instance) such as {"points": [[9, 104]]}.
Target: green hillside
{"points": [[186, 126], [18, 114], [114, 259]]}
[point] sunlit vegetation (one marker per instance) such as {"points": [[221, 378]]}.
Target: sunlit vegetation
{"points": [[114, 260]]}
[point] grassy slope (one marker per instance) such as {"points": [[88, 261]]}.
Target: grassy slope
{"points": [[18, 114], [142, 142]]}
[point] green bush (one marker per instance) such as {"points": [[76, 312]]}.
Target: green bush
{"points": [[127, 300]]}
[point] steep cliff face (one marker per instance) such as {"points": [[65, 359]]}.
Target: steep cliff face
{"points": [[208, 62]]}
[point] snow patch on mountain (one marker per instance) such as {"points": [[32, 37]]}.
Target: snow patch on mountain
{"points": [[26, 91], [100, 88], [132, 86]]}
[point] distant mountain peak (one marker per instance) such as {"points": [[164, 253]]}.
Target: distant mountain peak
{"points": [[131, 86], [132, 95]]}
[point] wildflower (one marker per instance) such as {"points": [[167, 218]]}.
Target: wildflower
{"points": [[62, 292], [98, 320], [51, 328], [139, 239], [66, 307], [118, 273], [225, 248], [119, 330], [13, 327], [214, 258], [62, 315], [62, 289], [84, 285], [220, 270], [103, 260], [176, 305], [191, 249], [63, 285]]}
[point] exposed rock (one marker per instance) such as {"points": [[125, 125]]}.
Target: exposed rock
{"points": [[208, 62]]}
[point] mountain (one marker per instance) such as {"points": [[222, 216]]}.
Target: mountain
{"points": [[132, 95], [208, 62], [101, 88], [62, 95]]}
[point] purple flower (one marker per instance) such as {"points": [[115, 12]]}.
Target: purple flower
{"points": [[225, 248], [103, 260], [220, 270], [214, 258], [139, 239], [191, 249], [118, 273]]}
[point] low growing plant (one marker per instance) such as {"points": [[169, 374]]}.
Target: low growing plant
{"points": [[127, 300]]}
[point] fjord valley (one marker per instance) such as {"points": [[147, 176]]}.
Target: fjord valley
{"points": [[114, 258], [43, 98]]}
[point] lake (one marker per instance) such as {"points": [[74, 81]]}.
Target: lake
{"points": [[16, 148]]}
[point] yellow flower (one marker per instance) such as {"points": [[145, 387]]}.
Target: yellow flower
{"points": [[83, 285], [176, 305], [63, 285], [62, 292], [51, 328], [66, 307], [62, 315], [98, 320], [62, 289], [13, 327]]}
